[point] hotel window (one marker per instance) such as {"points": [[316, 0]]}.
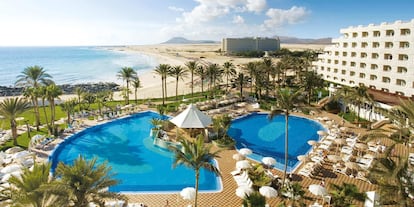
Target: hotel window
{"points": [[374, 66], [385, 90], [404, 44], [353, 54], [400, 82], [364, 34], [328, 69], [343, 72], [377, 33], [375, 44], [364, 45], [402, 57], [402, 70], [389, 33], [329, 60], [336, 53], [343, 63], [351, 73], [335, 78], [336, 62], [386, 68], [363, 55], [386, 79], [389, 44], [322, 68], [352, 82], [328, 76], [387, 56], [344, 54], [346, 35], [373, 77], [362, 75], [354, 34], [354, 44], [374, 55], [405, 31], [399, 93], [345, 45], [362, 65], [353, 64], [343, 80], [361, 84], [335, 70]]}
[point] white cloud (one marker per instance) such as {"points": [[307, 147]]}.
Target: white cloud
{"points": [[280, 17], [238, 19], [176, 9], [204, 13], [256, 5]]}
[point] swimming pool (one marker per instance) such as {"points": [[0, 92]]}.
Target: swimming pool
{"points": [[140, 166], [266, 138]]}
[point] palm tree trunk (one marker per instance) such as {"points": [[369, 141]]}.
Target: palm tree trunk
{"points": [[162, 89], [127, 93], [227, 83], [136, 101], [44, 111], [197, 175], [165, 88], [202, 86], [14, 131], [52, 116], [176, 89], [286, 146], [192, 84], [36, 111]]}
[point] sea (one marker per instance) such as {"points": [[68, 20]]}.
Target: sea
{"points": [[72, 65]]}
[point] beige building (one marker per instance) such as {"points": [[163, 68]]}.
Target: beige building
{"points": [[380, 57], [231, 45]]}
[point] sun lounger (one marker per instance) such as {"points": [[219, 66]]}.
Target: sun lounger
{"points": [[347, 150]]}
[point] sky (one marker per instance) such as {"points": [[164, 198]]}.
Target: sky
{"points": [[141, 22]]}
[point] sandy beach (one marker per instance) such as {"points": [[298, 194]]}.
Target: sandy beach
{"points": [[179, 54]]}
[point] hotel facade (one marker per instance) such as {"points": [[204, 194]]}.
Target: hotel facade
{"points": [[232, 45], [380, 57]]}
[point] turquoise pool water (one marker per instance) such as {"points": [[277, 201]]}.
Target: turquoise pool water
{"points": [[126, 146], [266, 138]]}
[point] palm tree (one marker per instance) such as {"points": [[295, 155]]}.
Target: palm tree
{"points": [[240, 82], [11, 108], [34, 77], [268, 66], [178, 72], [311, 81], [28, 189], [361, 97], [79, 93], [192, 67], [162, 70], [344, 95], [127, 74], [84, 182], [286, 101], [344, 195], [52, 92], [214, 73], [201, 72], [250, 68], [228, 71], [136, 83], [69, 107], [195, 155]]}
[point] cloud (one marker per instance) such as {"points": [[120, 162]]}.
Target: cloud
{"points": [[176, 9], [280, 17], [256, 5], [238, 19]]}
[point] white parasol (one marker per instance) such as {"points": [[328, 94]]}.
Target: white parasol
{"points": [[303, 158], [188, 193], [317, 190], [268, 192], [243, 190], [312, 142], [238, 157], [334, 158], [243, 164], [245, 151], [269, 161]]}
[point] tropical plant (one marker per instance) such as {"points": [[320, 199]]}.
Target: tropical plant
{"points": [[192, 67], [101, 98], [258, 176], [69, 107], [344, 195], [52, 92], [34, 77], [84, 182], [214, 72], [196, 156], [294, 192], [240, 81], [178, 73], [88, 98], [79, 93], [228, 71], [286, 101], [11, 108], [310, 82], [127, 74], [162, 70], [361, 97], [201, 72], [250, 67], [255, 199], [136, 83], [29, 189]]}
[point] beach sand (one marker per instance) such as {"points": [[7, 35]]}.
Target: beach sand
{"points": [[179, 54]]}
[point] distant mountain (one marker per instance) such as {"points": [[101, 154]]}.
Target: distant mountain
{"points": [[295, 40], [182, 40]]}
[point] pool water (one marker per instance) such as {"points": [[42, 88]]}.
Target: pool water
{"points": [[126, 147], [266, 138]]}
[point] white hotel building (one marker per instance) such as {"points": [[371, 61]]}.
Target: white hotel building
{"points": [[380, 57]]}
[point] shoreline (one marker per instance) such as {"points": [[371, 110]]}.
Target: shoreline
{"points": [[177, 54]]}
